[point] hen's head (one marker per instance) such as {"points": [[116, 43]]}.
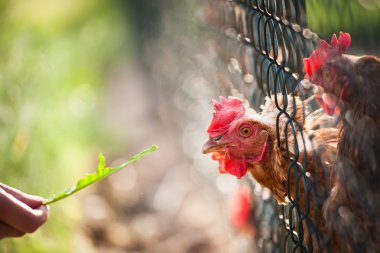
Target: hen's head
{"points": [[328, 68], [236, 140]]}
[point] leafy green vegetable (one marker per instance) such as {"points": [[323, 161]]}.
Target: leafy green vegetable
{"points": [[101, 172]]}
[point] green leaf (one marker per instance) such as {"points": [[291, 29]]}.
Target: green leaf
{"points": [[101, 172]]}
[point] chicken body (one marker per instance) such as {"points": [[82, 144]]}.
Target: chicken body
{"points": [[350, 87], [243, 140]]}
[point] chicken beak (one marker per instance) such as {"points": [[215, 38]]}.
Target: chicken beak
{"points": [[212, 146]]}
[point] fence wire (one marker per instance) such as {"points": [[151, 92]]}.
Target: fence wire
{"points": [[266, 43]]}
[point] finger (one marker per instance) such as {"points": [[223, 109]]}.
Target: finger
{"points": [[19, 215], [30, 200], [8, 231]]}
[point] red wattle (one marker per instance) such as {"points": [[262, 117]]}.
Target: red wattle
{"points": [[234, 167]]}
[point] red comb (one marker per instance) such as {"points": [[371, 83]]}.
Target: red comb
{"points": [[225, 112], [325, 52]]}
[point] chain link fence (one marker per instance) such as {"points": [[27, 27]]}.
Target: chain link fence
{"points": [[264, 44]]}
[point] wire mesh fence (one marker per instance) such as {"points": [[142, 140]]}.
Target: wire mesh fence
{"points": [[264, 43]]}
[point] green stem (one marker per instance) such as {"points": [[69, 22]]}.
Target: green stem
{"points": [[101, 173]]}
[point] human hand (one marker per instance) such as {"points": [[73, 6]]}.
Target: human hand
{"points": [[20, 213]]}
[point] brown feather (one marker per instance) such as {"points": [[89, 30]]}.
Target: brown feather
{"points": [[354, 205], [317, 147]]}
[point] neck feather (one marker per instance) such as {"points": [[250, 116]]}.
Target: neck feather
{"points": [[271, 172]]}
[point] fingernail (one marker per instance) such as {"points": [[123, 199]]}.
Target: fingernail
{"points": [[42, 211]]}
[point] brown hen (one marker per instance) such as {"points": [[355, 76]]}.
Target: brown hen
{"points": [[349, 86], [242, 140]]}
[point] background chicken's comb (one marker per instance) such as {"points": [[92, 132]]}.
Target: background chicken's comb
{"points": [[325, 51]]}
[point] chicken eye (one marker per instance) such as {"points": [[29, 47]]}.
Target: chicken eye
{"points": [[245, 131], [217, 138], [327, 75]]}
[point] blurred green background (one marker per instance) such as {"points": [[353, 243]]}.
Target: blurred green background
{"points": [[54, 59], [360, 18], [66, 64]]}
